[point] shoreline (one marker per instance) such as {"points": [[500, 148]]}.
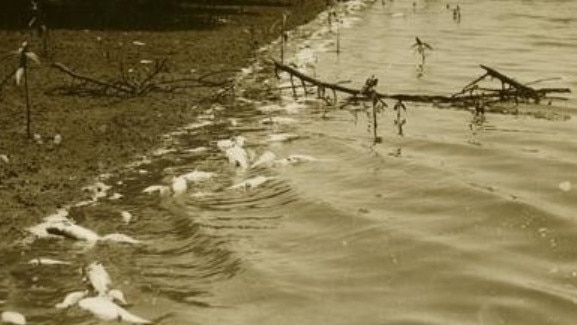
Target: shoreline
{"points": [[102, 134]]}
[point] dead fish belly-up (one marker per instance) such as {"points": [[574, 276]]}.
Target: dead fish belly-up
{"points": [[105, 309], [98, 278], [72, 299], [237, 156], [72, 231]]}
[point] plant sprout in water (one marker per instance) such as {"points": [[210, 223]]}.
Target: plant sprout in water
{"points": [[401, 118], [421, 48], [476, 125]]}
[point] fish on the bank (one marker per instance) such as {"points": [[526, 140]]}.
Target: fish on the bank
{"points": [[12, 317], [98, 190], [58, 225], [105, 309], [72, 231], [71, 299], [251, 183], [46, 261]]}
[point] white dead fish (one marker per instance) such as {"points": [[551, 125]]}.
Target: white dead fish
{"points": [[71, 299], [163, 190], [281, 120], [251, 183], [46, 261], [98, 277], [237, 156], [179, 185], [138, 43], [266, 160], [282, 137], [57, 139], [105, 309], [196, 150], [293, 160], [117, 295], [72, 231], [146, 61], [115, 196], [97, 189], [126, 217], [120, 238], [4, 158], [224, 145], [38, 138], [565, 186], [197, 176], [12, 317]]}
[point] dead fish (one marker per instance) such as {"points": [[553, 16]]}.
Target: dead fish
{"points": [[98, 278], [282, 137], [120, 238], [251, 183], [12, 317], [278, 120], [72, 299], [104, 309], [126, 217], [117, 295], [46, 261], [266, 159], [163, 190], [223, 145], [237, 156], [197, 176], [72, 231], [179, 185]]}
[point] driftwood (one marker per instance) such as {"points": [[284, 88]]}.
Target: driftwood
{"points": [[471, 93]]}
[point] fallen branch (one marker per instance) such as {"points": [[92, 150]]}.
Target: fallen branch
{"points": [[469, 94], [141, 84], [61, 67]]}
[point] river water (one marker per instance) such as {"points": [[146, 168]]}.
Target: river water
{"points": [[448, 224]]}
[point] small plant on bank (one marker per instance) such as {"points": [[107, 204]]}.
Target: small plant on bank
{"points": [[24, 58]]}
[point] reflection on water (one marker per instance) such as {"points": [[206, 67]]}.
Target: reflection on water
{"points": [[422, 228]]}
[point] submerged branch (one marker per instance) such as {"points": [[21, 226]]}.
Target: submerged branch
{"points": [[471, 93]]}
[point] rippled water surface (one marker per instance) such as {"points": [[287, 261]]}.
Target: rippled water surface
{"points": [[440, 226]]}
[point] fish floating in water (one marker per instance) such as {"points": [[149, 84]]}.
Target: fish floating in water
{"points": [[46, 261], [269, 159], [59, 225], [71, 299], [12, 317], [102, 304], [282, 137], [105, 309], [251, 183]]}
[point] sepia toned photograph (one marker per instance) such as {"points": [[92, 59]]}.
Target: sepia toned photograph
{"points": [[288, 162]]}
